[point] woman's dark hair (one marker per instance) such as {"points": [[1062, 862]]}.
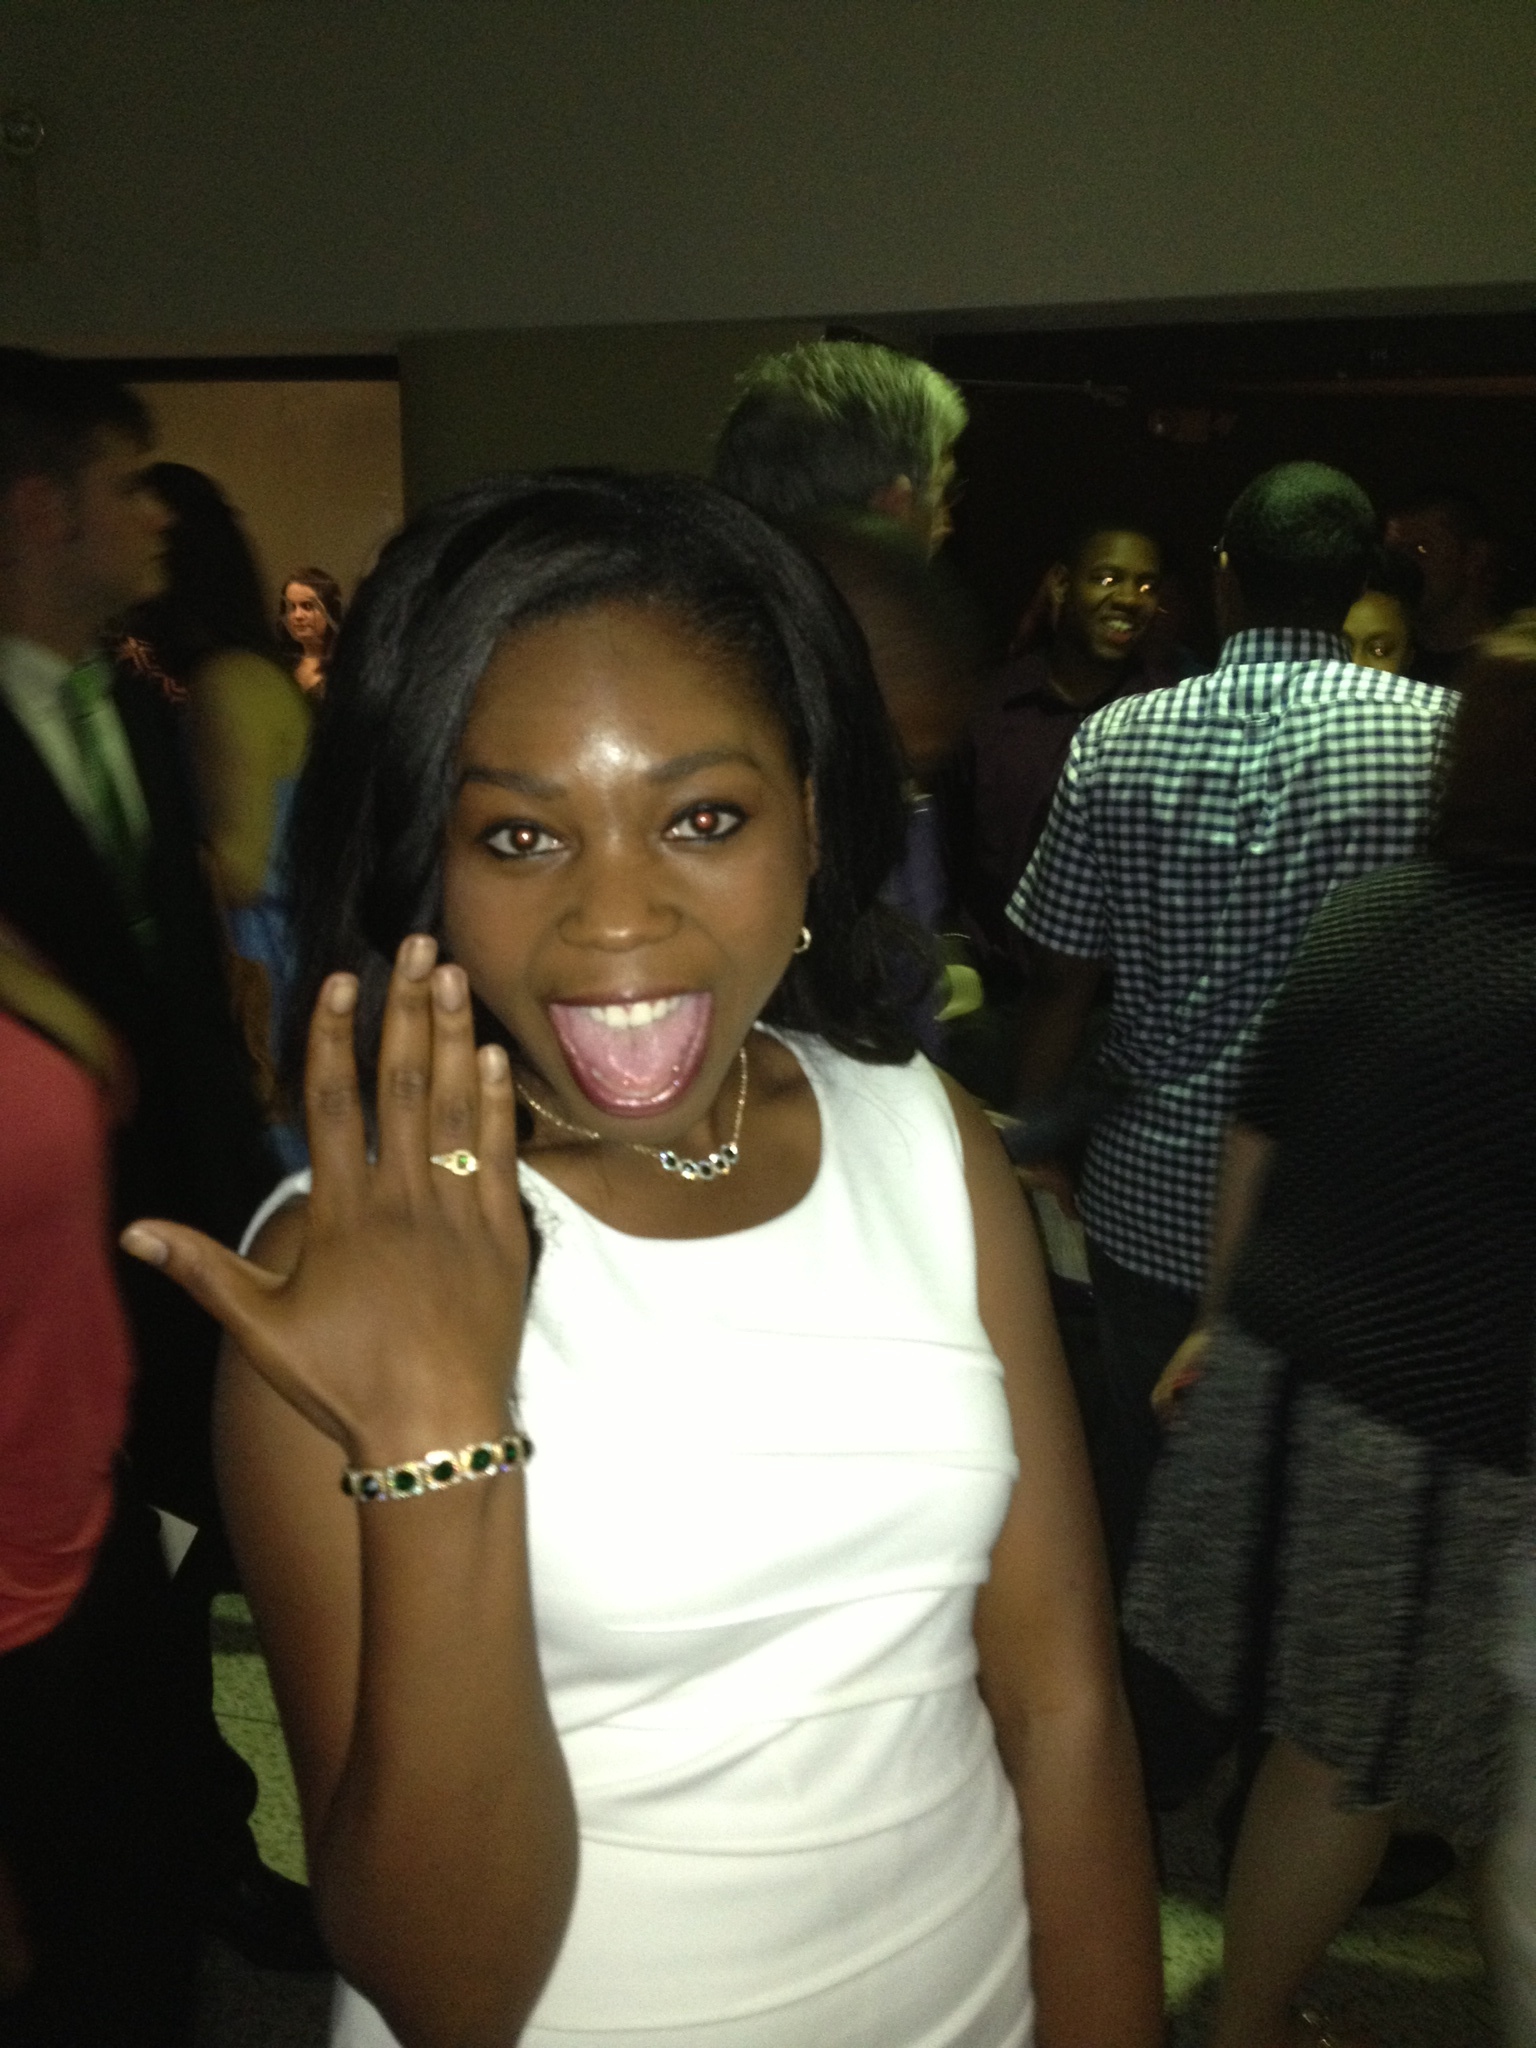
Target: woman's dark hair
{"points": [[1394, 574], [1486, 805], [328, 590], [213, 599], [373, 803]]}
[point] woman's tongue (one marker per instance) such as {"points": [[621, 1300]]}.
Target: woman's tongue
{"points": [[629, 1063]]}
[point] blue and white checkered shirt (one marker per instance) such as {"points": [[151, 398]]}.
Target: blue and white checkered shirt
{"points": [[1195, 831]]}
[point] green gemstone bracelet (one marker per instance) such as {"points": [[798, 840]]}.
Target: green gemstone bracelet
{"points": [[437, 1470]]}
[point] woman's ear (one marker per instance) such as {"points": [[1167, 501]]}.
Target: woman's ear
{"points": [[1057, 578], [812, 834]]}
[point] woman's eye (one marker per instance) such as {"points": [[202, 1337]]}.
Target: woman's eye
{"points": [[706, 821], [520, 841]]}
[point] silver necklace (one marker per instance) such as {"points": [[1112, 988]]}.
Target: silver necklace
{"points": [[713, 1166]]}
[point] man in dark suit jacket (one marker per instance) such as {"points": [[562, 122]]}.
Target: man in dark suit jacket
{"points": [[100, 873], [75, 550], [195, 1144]]}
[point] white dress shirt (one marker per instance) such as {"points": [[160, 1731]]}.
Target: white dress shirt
{"points": [[32, 682]]}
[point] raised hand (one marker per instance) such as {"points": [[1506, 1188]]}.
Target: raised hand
{"points": [[397, 1328]]}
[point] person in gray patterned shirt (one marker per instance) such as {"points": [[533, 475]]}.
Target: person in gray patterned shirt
{"points": [[1195, 831]]}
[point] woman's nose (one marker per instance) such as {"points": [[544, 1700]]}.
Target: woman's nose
{"points": [[617, 901]]}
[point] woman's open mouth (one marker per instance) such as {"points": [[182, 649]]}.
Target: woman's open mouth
{"points": [[636, 1057]]}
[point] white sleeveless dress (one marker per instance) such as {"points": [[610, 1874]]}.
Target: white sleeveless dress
{"points": [[770, 1470]]}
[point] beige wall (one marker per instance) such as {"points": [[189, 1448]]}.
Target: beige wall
{"points": [[219, 170], [314, 467], [639, 397]]}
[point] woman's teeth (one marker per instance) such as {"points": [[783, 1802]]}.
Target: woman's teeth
{"points": [[633, 1058], [626, 1016]]}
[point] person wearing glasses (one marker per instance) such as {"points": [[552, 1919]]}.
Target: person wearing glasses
{"points": [[1448, 532]]}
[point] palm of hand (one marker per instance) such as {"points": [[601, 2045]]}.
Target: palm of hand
{"points": [[399, 1318]]}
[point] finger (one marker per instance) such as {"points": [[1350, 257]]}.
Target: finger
{"points": [[453, 1117], [405, 1065], [497, 1177], [333, 1112], [235, 1292]]}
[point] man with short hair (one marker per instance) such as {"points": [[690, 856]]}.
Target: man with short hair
{"points": [[1102, 595], [100, 870], [847, 424], [1195, 831], [100, 877], [1448, 533]]}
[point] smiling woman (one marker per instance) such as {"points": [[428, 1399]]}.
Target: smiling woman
{"points": [[628, 907], [766, 1631]]}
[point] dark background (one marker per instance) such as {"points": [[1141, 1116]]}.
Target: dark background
{"points": [[1162, 427]]}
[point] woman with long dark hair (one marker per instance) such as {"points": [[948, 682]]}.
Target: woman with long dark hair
{"points": [[1329, 1532], [719, 1719], [247, 724]]}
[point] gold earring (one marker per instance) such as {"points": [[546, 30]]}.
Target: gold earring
{"points": [[803, 943]]}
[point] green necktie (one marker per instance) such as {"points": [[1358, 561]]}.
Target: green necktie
{"points": [[86, 690]]}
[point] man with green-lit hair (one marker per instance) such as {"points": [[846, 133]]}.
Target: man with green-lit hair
{"points": [[844, 424]]}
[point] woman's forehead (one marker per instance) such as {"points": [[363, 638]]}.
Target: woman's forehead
{"points": [[626, 662]]}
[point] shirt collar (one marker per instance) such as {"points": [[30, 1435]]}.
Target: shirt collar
{"points": [[1282, 646], [31, 671]]}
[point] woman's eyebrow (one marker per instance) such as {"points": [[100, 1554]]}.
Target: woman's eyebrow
{"points": [[664, 771], [706, 757], [510, 778]]}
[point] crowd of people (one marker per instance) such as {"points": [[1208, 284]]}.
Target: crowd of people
{"points": [[844, 1265]]}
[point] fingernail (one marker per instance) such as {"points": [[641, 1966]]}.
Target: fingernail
{"points": [[143, 1244], [449, 988], [341, 994], [493, 1063], [417, 956]]}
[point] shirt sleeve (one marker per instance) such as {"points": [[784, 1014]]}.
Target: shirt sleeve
{"points": [[1061, 901]]}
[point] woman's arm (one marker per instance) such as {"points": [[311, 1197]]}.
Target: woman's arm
{"points": [[248, 728], [437, 1808], [1245, 1159], [1049, 1675]]}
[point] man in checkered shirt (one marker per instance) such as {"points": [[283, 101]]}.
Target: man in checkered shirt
{"points": [[1195, 831]]}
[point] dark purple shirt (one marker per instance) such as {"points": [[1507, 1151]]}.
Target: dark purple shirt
{"points": [[998, 792]]}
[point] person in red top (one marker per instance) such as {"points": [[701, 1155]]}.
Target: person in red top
{"points": [[65, 1378], [98, 1935]]}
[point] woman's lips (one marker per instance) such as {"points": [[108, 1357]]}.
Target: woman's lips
{"points": [[634, 1058]]}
